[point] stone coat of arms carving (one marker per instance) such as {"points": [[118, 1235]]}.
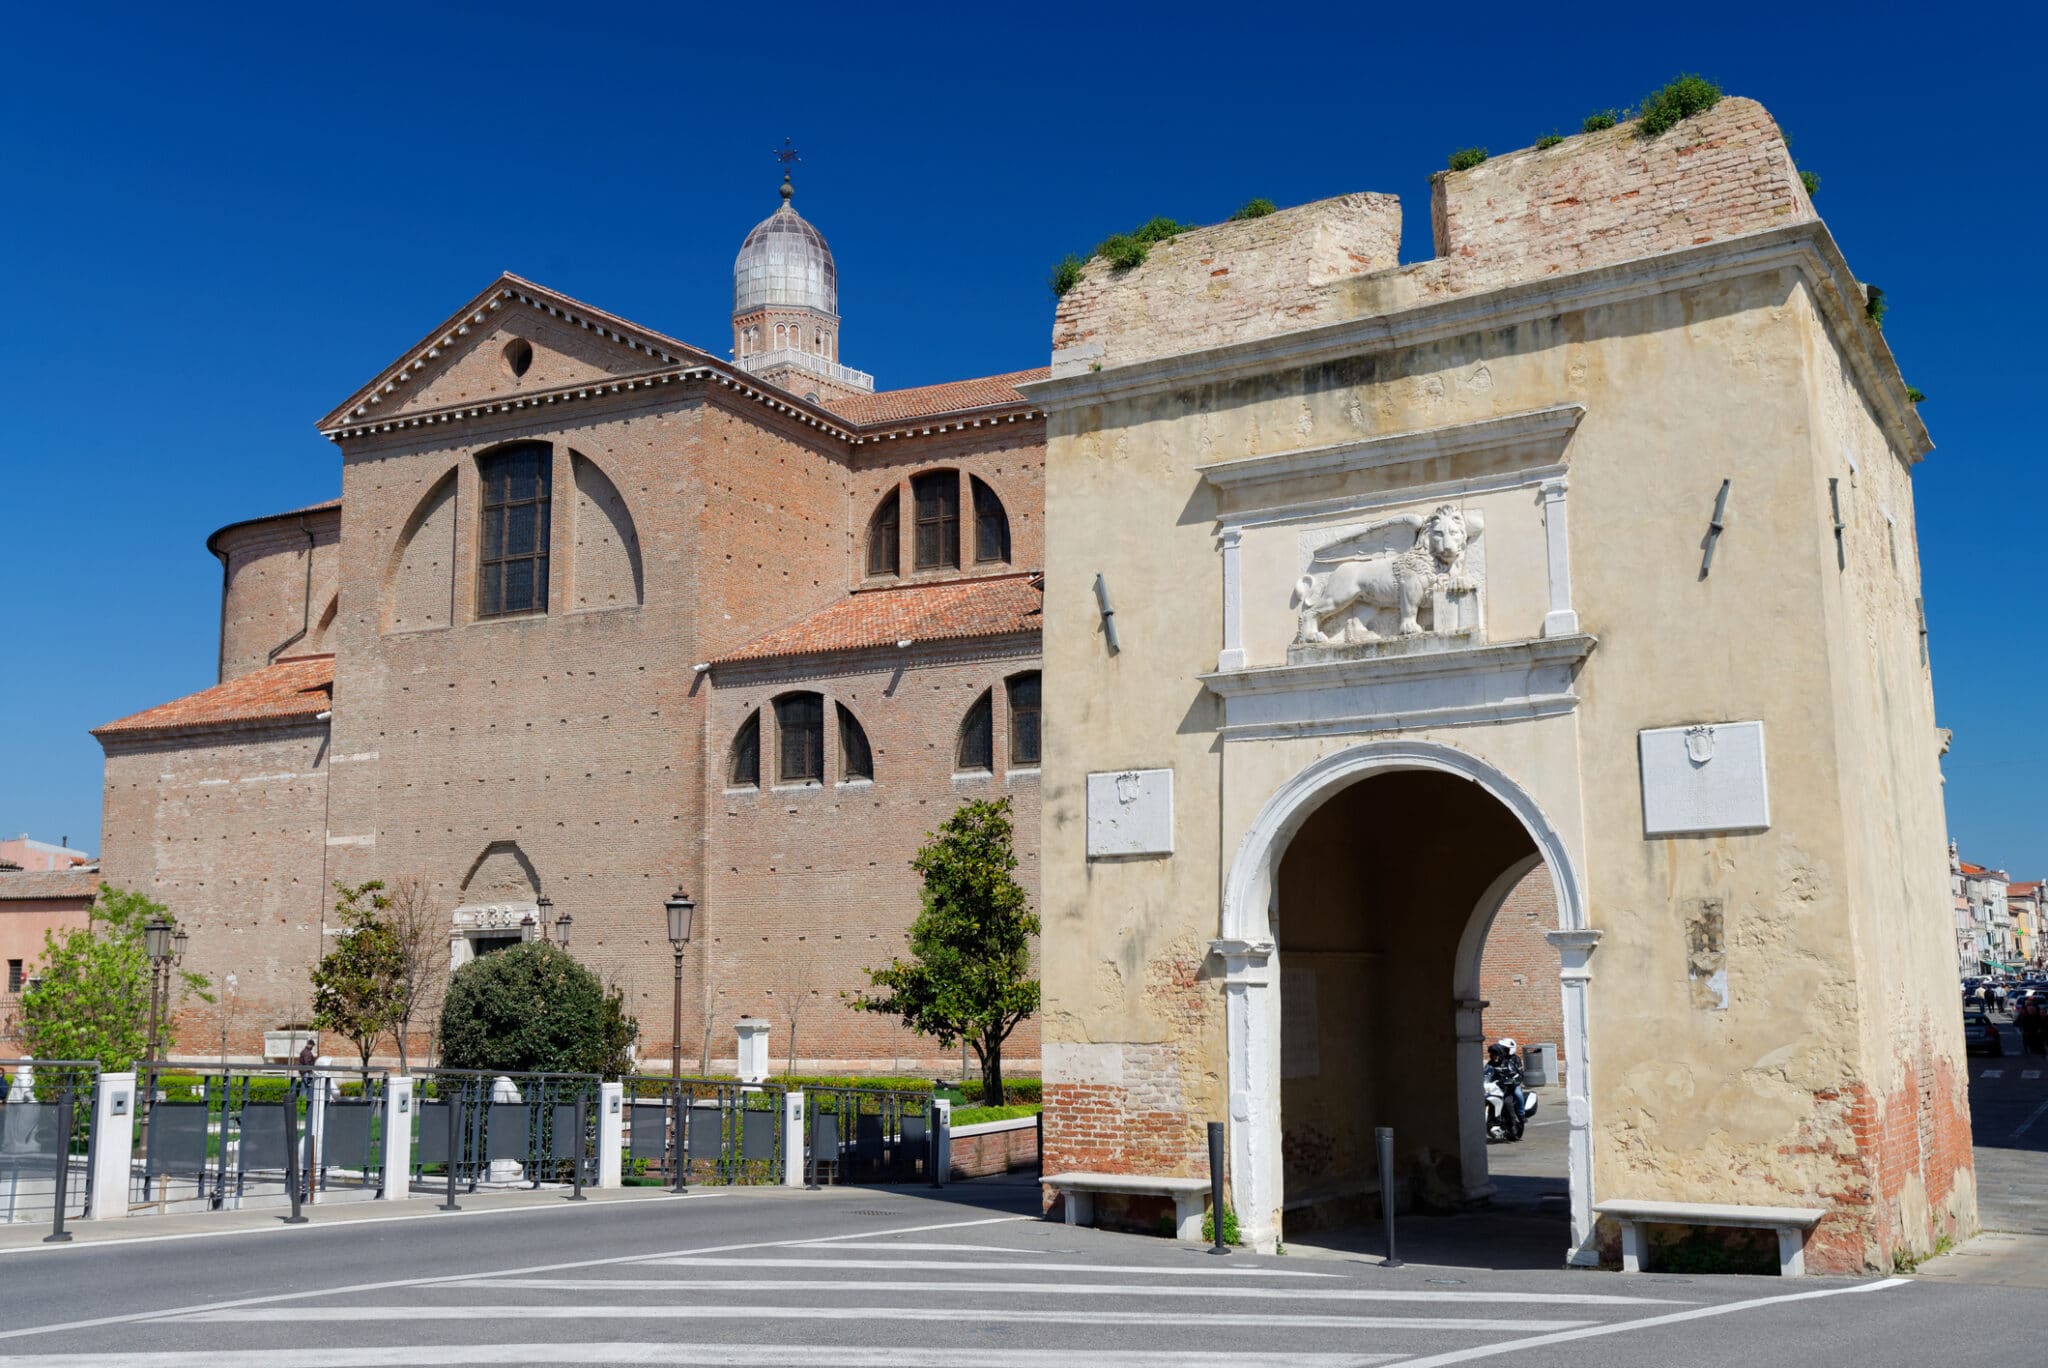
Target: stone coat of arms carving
{"points": [[1412, 568]]}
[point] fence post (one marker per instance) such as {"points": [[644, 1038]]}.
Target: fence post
{"points": [[793, 1139], [611, 1149], [294, 1171], [576, 1150], [1216, 1189], [679, 1107], [454, 1100], [1384, 1137], [113, 1139], [397, 1140], [58, 1234]]}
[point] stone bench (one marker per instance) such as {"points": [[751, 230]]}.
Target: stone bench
{"points": [[1792, 1224], [1189, 1197]]}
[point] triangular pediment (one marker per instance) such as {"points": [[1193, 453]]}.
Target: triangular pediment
{"points": [[514, 338]]}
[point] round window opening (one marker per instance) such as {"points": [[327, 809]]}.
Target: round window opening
{"points": [[518, 356]]}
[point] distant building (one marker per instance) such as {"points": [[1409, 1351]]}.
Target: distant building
{"points": [[33, 903], [2023, 901], [25, 853], [1985, 943]]}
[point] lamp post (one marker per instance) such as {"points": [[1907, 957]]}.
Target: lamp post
{"points": [[681, 910], [156, 943], [546, 906], [562, 930]]}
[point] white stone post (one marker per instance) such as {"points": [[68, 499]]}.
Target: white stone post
{"points": [[611, 1142], [1250, 1018], [313, 1144], [753, 1050], [113, 1145], [503, 1089], [793, 1139], [1231, 657], [1574, 949], [1562, 619], [398, 1119], [945, 1167]]}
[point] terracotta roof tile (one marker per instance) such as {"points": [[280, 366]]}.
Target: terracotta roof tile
{"points": [[1005, 605], [288, 690], [50, 883], [895, 406]]}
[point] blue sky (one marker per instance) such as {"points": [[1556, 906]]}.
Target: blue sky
{"points": [[221, 222]]}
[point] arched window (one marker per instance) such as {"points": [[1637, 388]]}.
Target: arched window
{"points": [[885, 539], [856, 759], [746, 753], [977, 736], [937, 496], [512, 559], [800, 737], [1024, 725], [991, 525]]}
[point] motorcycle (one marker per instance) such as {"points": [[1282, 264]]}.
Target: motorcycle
{"points": [[1509, 1104]]}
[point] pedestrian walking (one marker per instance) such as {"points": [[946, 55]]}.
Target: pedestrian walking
{"points": [[2033, 1027]]}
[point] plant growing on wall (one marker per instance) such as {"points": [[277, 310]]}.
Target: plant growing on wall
{"points": [[357, 984], [1465, 158], [1254, 208], [90, 999], [969, 972], [1681, 99], [1600, 119]]}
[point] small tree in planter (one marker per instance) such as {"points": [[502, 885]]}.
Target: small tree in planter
{"points": [[969, 975], [357, 984]]}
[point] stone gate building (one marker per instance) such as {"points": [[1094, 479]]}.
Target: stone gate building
{"points": [[1584, 549], [599, 615]]}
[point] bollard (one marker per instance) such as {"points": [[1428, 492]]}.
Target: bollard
{"points": [[58, 1234], [681, 1112], [1039, 1138], [291, 1156], [576, 1147], [454, 1142], [1385, 1136], [1216, 1187]]}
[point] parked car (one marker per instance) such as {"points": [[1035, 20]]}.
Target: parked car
{"points": [[1980, 1036]]}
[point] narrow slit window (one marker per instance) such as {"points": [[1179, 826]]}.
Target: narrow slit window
{"points": [[746, 753], [885, 537], [856, 758], [937, 495], [1024, 734], [977, 736], [800, 732], [991, 525], [512, 559]]}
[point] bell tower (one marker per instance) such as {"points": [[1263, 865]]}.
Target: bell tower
{"points": [[785, 305]]}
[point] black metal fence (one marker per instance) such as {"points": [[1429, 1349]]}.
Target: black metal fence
{"points": [[46, 1140], [871, 1135], [503, 1129], [217, 1137], [725, 1131]]}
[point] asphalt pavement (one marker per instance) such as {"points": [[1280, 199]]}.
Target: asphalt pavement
{"points": [[900, 1278]]}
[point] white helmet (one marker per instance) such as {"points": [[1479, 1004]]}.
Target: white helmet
{"points": [[1508, 1043]]}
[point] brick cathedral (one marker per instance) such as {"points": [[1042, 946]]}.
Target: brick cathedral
{"points": [[599, 616]]}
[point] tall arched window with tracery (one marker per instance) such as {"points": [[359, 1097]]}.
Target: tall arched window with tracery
{"points": [[936, 495], [1024, 720], [512, 536], [800, 738]]}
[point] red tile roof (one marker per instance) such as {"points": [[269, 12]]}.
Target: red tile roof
{"points": [[929, 401], [16, 886], [2023, 889], [1969, 868], [290, 690], [1003, 605]]}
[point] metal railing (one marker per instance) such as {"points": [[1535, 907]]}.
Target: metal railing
{"points": [[727, 1132], [871, 1135], [46, 1140], [503, 1129]]}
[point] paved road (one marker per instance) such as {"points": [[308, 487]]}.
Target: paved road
{"points": [[900, 1279], [2009, 1121]]}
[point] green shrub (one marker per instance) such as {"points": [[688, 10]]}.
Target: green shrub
{"points": [[1254, 208], [1121, 251], [1159, 230], [1066, 274], [1914, 395], [1549, 140], [1875, 306], [1600, 119], [532, 1008], [1683, 98], [1229, 1226], [1465, 158], [973, 1116], [1812, 183]]}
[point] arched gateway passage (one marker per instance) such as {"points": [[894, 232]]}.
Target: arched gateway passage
{"points": [[1354, 919]]}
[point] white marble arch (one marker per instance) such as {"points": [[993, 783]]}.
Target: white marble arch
{"points": [[1251, 973]]}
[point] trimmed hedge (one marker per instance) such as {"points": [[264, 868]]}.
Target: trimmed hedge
{"points": [[974, 1116]]}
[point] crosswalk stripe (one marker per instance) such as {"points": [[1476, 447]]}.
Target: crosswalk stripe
{"points": [[1203, 1270], [1992, 1073], [668, 1352], [665, 1286], [831, 1243], [370, 1315]]}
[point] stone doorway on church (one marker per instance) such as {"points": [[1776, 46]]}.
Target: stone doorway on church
{"points": [[1383, 902]]}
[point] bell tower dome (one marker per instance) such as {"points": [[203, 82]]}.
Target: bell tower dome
{"points": [[785, 308]]}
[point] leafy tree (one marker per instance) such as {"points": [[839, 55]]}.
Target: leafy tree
{"points": [[419, 931], [533, 1008], [969, 975], [357, 985], [91, 998]]}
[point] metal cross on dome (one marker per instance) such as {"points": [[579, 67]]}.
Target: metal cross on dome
{"points": [[786, 154]]}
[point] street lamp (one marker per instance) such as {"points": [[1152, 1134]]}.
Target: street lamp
{"points": [[179, 939], [546, 907], [682, 909], [156, 943], [562, 930]]}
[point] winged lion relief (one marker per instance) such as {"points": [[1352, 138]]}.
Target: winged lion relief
{"points": [[1400, 577]]}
